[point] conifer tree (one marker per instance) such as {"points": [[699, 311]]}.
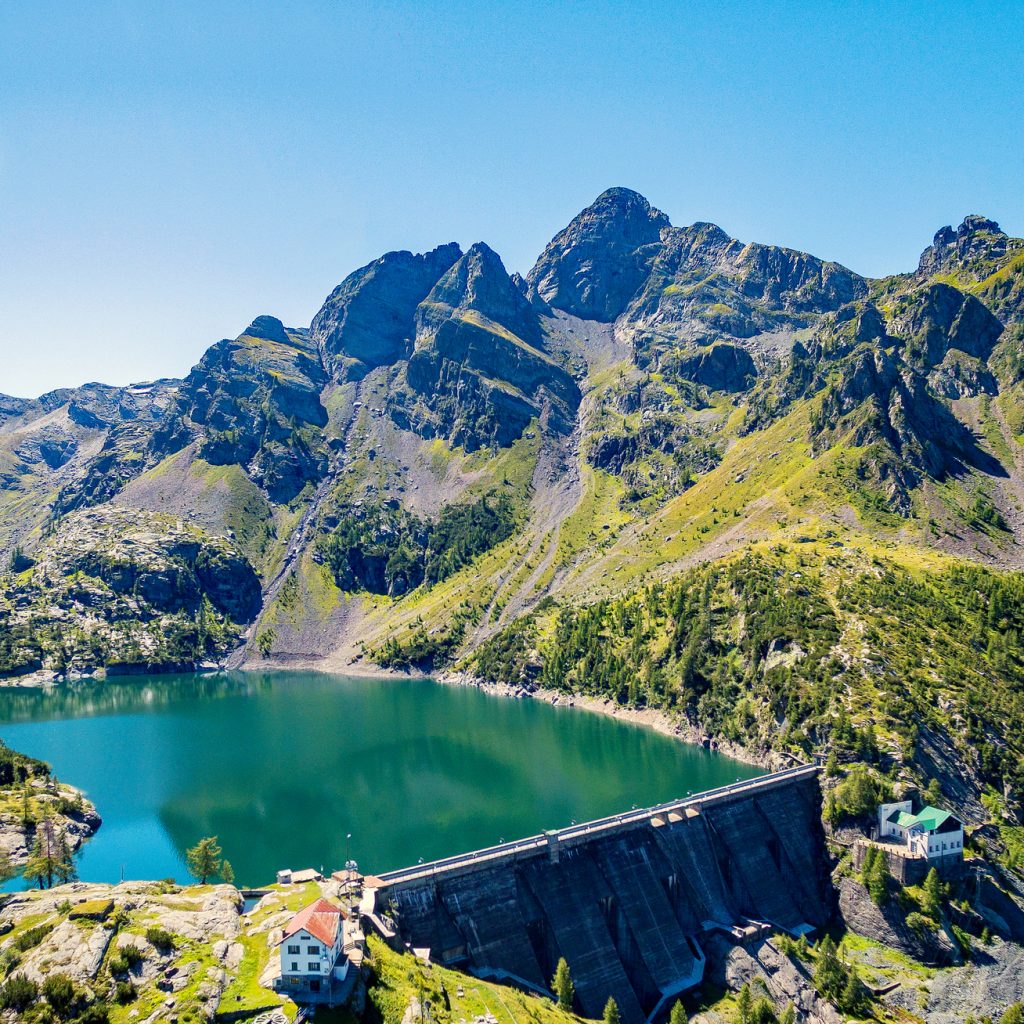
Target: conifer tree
{"points": [[611, 1011], [878, 879], [744, 1001], [562, 986], [829, 976], [867, 864], [931, 904], [854, 997], [204, 860], [678, 1014], [1014, 1014], [50, 858]]}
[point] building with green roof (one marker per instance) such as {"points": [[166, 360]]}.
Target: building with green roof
{"points": [[931, 833]]}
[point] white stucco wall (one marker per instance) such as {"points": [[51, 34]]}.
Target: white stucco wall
{"points": [[303, 959], [886, 828]]}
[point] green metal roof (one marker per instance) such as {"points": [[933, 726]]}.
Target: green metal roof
{"points": [[931, 818]]}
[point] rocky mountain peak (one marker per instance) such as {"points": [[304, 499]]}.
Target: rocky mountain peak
{"points": [[479, 281], [976, 222], [977, 237], [594, 266], [267, 327], [368, 320]]}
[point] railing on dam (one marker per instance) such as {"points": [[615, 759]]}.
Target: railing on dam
{"points": [[574, 833]]}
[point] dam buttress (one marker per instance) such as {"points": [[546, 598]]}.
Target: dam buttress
{"points": [[626, 899]]}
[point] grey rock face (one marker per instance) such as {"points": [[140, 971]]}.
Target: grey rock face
{"points": [[593, 267], [888, 925], [879, 399], [121, 587], [479, 371], [167, 568], [11, 407], [721, 367], [269, 328], [478, 282], [368, 320], [786, 981], [69, 950], [705, 286], [976, 237], [939, 318], [249, 401]]}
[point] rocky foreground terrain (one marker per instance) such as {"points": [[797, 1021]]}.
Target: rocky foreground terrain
{"points": [[147, 951]]}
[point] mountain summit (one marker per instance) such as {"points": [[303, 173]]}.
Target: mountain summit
{"points": [[593, 266]]}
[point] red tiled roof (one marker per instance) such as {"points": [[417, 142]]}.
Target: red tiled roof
{"points": [[321, 919]]}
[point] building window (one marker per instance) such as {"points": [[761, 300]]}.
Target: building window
{"points": [[314, 965], [294, 949], [313, 950], [295, 967], [314, 985]]}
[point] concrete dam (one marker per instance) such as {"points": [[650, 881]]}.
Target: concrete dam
{"points": [[626, 899]]}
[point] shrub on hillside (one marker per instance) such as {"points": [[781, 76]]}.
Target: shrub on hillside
{"points": [[18, 993], [856, 796], [160, 938]]}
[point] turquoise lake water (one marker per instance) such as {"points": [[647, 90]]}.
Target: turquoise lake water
{"points": [[282, 766]]}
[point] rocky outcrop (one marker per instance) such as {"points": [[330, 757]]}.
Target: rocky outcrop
{"points": [[118, 587], [763, 967], [593, 267], [981, 258], [254, 401], [367, 321], [877, 399], [704, 286], [75, 817], [78, 927], [719, 367], [166, 565], [968, 250], [949, 336], [888, 925], [479, 372]]}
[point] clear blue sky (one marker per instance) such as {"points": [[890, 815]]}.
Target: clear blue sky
{"points": [[170, 171]]}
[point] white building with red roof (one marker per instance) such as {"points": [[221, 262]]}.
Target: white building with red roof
{"points": [[311, 948]]}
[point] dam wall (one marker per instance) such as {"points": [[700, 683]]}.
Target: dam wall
{"points": [[626, 899]]}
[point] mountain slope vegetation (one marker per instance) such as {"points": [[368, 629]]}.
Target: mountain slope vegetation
{"points": [[731, 480]]}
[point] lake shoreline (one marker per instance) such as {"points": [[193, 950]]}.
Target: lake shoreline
{"points": [[650, 718]]}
